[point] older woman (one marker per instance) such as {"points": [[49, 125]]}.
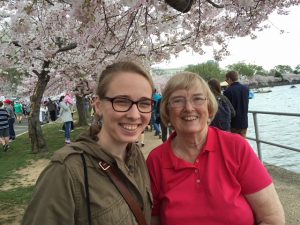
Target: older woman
{"points": [[203, 175]]}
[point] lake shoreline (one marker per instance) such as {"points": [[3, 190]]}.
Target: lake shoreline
{"points": [[273, 84]]}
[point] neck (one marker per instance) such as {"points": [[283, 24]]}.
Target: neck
{"points": [[188, 148], [117, 150]]}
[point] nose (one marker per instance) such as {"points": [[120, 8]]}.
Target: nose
{"points": [[188, 105], [133, 111]]}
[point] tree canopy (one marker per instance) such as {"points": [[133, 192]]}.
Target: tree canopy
{"points": [[78, 38], [207, 70], [59, 42]]}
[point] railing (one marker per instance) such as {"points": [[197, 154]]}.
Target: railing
{"points": [[257, 138]]}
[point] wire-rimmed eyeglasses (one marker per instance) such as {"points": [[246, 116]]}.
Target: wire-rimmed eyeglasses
{"points": [[121, 104], [180, 102]]}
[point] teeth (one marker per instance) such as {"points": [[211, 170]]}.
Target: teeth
{"points": [[130, 126], [189, 118]]}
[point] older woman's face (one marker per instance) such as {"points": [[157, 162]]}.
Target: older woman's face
{"points": [[188, 110]]}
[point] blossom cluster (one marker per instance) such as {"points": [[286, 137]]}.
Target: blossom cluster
{"points": [[68, 40]]}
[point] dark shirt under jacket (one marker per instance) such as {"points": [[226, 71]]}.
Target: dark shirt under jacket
{"points": [[238, 95]]}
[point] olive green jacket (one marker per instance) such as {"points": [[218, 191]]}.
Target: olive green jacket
{"points": [[60, 195]]}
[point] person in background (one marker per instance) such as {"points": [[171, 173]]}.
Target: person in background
{"points": [[86, 106], [226, 112], [238, 95], [4, 128], [66, 116], [24, 109], [156, 97], [51, 109], [28, 106], [141, 139], [11, 119], [18, 111], [44, 118], [201, 174], [92, 109], [165, 129], [74, 189]]}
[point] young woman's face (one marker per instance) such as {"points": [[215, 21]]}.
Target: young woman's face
{"points": [[125, 127], [191, 117]]}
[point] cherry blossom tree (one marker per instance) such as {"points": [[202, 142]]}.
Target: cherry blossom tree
{"points": [[57, 42]]}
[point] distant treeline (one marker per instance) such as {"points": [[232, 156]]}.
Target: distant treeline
{"points": [[277, 83]]}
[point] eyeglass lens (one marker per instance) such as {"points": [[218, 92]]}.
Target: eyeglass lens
{"points": [[181, 101], [125, 104]]}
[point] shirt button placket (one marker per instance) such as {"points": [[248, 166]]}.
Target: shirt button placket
{"points": [[197, 174]]}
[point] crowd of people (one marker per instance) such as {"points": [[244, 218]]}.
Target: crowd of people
{"points": [[15, 111], [200, 174], [11, 112]]}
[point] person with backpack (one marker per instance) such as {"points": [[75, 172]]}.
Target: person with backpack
{"points": [[222, 119]]}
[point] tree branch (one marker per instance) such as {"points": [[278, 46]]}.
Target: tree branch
{"points": [[51, 3], [67, 48], [215, 4]]}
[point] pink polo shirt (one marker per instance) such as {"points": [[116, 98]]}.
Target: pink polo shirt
{"points": [[211, 190]]}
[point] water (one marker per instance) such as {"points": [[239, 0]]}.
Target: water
{"points": [[284, 130]]}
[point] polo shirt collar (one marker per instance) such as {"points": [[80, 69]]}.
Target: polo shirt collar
{"points": [[172, 161]]}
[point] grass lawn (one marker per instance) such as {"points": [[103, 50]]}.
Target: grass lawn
{"points": [[20, 156]]}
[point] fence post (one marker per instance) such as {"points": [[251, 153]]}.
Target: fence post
{"points": [[257, 135]]}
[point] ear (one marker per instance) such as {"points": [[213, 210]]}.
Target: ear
{"points": [[98, 104]]}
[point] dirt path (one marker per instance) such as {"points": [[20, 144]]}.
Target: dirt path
{"points": [[286, 183]]}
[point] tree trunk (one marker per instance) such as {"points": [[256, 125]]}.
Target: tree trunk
{"points": [[38, 143], [82, 114]]}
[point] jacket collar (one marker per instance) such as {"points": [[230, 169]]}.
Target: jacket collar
{"points": [[91, 147]]}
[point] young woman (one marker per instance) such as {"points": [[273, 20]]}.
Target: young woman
{"points": [[75, 188], [222, 119], [65, 114]]}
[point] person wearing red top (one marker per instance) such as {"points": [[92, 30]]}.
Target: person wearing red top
{"points": [[203, 175]]}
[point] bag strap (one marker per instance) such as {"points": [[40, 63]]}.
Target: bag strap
{"points": [[132, 203], [87, 192]]}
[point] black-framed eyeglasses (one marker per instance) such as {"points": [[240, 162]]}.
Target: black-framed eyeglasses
{"points": [[180, 102], [121, 104]]}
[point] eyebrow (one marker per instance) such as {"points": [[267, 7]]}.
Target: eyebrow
{"points": [[181, 96], [127, 97]]}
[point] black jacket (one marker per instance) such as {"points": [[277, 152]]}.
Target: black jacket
{"points": [[238, 95]]}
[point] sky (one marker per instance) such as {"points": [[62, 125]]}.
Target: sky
{"points": [[269, 49]]}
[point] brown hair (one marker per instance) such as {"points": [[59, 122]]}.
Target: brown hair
{"points": [[1, 103], [105, 79], [215, 86], [232, 75], [185, 80]]}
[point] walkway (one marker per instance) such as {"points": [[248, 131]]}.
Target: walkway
{"points": [[21, 127]]}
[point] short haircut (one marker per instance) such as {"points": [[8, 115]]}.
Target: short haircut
{"points": [[232, 75], [186, 80]]}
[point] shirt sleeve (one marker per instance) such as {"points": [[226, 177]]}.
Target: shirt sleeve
{"points": [[252, 174]]}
